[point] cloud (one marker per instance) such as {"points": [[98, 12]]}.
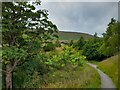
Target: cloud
{"points": [[89, 17], [80, 0]]}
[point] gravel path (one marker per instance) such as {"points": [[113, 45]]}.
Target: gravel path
{"points": [[106, 81]]}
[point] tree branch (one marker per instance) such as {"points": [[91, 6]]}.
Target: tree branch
{"points": [[13, 67]]}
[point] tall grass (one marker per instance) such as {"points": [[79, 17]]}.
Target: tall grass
{"points": [[73, 77], [110, 67]]}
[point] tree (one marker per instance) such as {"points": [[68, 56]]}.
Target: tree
{"points": [[91, 49], [49, 46], [24, 30], [71, 42], [110, 45], [80, 43]]}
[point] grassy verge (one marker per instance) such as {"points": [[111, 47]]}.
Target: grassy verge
{"points": [[110, 67], [0, 76], [94, 62], [80, 77]]}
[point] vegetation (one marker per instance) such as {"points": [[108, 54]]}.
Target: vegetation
{"points": [[57, 43], [24, 32], [33, 54], [36, 73], [90, 48], [93, 46], [49, 46], [100, 48], [111, 43], [110, 67], [80, 43], [0, 75], [73, 35], [71, 77]]}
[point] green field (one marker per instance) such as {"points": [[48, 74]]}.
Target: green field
{"points": [[73, 35], [110, 67]]}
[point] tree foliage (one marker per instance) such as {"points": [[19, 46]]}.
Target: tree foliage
{"points": [[91, 49], [49, 46], [24, 31], [110, 44], [68, 56], [80, 43], [106, 46]]}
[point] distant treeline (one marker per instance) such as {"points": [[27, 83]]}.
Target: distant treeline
{"points": [[98, 48]]}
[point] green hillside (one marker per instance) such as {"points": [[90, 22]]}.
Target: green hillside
{"points": [[72, 35]]}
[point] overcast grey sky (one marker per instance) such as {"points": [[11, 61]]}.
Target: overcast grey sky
{"points": [[86, 17]]}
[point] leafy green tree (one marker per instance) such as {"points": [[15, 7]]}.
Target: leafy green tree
{"points": [[80, 43], [69, 56], [110, 45], [91, 49], [24, 30]]}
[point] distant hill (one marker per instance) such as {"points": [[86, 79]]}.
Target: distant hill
{"points": [[73, 35]]}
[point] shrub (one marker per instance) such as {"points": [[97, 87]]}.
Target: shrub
{"points": [[57, 43], [49, 47], [65, 57]]}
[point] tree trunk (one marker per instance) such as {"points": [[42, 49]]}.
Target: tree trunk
{"points": [[9, 76]]}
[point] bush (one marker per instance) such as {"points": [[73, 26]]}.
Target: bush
{"points": [[71, 43], [91, 49], [65, 57], [79, 44], [49, 47], [57, 43], [29, 74]]}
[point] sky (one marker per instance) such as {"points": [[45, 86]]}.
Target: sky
{"points": [[85, 17]]}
